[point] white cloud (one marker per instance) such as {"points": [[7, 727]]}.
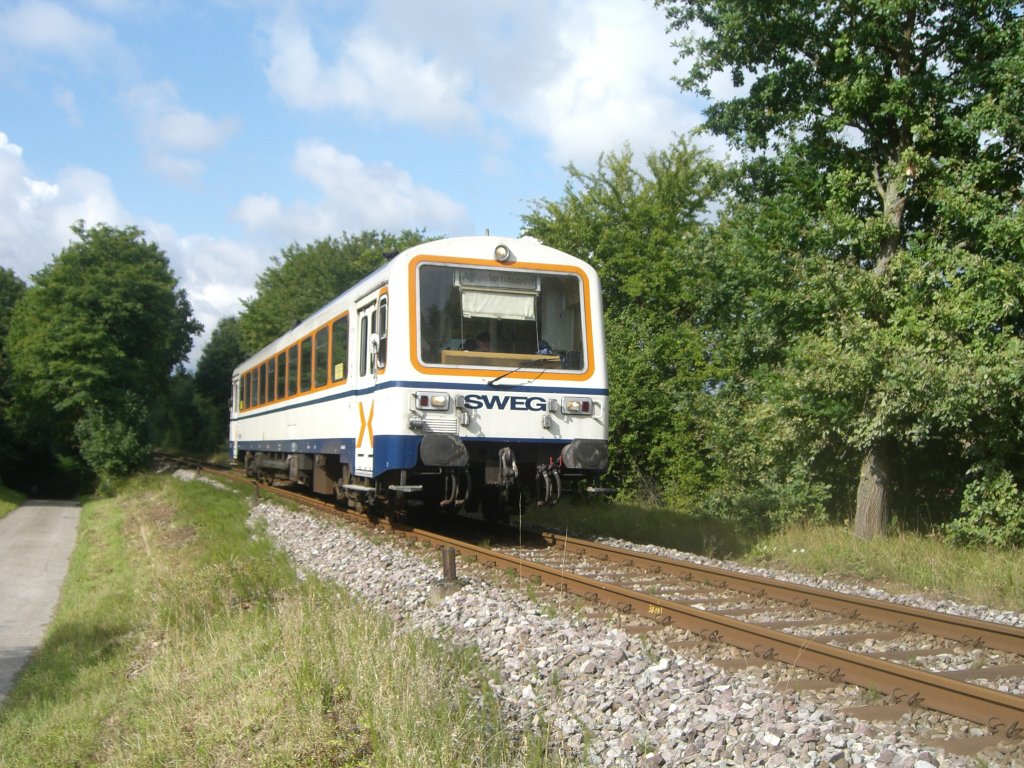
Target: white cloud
{"points": [[121, 6], [369, 74], [36, 215], [174, 167], [257, 210], [583, 77], [48, 27], [616, 86], [172, 133], [503, 47], [354, 196], [215, 272], [65, 99]]}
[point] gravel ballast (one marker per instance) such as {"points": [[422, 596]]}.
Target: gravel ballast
{"points": [[607, 696]]}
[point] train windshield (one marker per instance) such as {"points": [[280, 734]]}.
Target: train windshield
{"points": [[500, 318]]}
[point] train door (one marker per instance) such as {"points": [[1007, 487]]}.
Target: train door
{"points": [[233, 408], [366, 379]]}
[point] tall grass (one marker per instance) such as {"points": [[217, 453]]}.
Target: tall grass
{"points": [[642, 524], [184, 639], [903, 561], [9, 500]]}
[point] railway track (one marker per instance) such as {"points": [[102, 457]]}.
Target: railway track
{"points": [[839, 639]]}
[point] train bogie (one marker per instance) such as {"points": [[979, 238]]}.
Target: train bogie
{"points": [[464, 373]]}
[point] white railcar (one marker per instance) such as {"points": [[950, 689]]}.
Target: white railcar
{"points": [[464, 371]]}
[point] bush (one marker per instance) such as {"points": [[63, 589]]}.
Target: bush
{"points": [[993, 507], [111, 445]]}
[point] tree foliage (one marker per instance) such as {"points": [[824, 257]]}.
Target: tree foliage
{"points": [[11, 289], [640, 230], [208, 393], [304, 278], [897, 126], [186, 421], [222, 353], [93, 342]]}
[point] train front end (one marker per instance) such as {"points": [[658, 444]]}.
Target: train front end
{"points": [[509, 403]]}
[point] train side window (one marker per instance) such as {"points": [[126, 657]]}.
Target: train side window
{"points": [[382, 332], [262, 386], [271, 379], [364, 335], [321, 343], [247, 396], [281, 373], [339, 348], [293, 370], [306, 364]]}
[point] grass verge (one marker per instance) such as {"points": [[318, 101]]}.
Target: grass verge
{"points": [[183, 639], [709, 536], [9, 499], [902, 561]]}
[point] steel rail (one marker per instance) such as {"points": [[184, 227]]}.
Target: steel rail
{"points": [[973, 632], [999, 711]]}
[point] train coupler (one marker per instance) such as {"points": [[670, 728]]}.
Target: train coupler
{"points": [[457, 486], [549, 484]]}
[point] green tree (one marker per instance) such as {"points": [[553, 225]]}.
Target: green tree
{"points": [[642, 231], [184, 421], [304, 278], [212, 383], [222, 353], [11, 289], [94, 340], [910, 110]]}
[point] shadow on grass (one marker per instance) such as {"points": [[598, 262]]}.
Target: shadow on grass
{"points": [[699, 534], [9, 500], [71, 654]]}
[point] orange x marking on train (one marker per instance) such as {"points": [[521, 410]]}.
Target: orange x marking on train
{"points": [[365, 425]]}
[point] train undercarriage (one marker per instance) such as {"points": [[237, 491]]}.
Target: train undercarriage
{"points": [[497, 482]]}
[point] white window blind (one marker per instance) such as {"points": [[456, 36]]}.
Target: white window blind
{"points": [[499, 305]]}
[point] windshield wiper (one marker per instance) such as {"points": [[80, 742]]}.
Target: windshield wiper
{"points": [[543, 362]]}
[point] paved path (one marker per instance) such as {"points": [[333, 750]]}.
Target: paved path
{"points": [[36, 541]]}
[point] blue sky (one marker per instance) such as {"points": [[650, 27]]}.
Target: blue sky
{"points": [[228, 130]]}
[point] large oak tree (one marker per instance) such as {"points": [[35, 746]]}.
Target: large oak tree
{"points": [[910, 111]]}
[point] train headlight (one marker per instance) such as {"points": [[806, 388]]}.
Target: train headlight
{"points": [[502, 253], [431, 401], [577, 406]]}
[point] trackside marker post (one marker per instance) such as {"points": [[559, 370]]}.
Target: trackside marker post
{"points": [[448, 563]]}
